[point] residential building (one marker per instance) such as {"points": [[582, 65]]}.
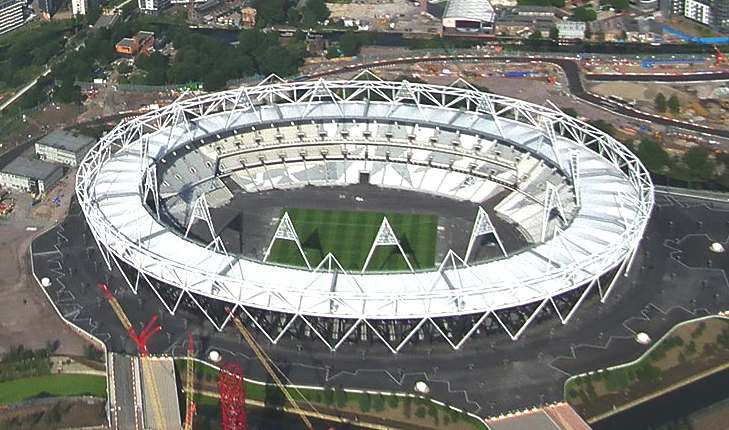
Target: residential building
{"points": [[153, 7], [142, 41], [79, 7], [11, 15], [63, 147], [698, 10], [34, 176], [713, 13]]}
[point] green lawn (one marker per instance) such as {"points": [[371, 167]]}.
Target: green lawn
{"points": [[348, 235], [51, 386]]}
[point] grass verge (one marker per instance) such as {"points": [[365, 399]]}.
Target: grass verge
{"points": [[62, 385]]}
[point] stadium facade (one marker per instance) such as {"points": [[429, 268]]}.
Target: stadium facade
{"points": [[579, 197]]}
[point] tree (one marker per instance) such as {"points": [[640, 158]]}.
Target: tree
{"points": [[570, 111], [270, 12], [379, 403], [68, 92], [698, 162], [155, 66], [351, 42], [314, 11], [660, 102], [673, 104], [393, 402], [554, 33], [652, 154], [620, 5], [603, 126], [555, 3], [293, 16], [582, 13], [341, 397], [365, 402]]}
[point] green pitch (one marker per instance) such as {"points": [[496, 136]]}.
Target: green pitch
{"points": [[349, 235]]}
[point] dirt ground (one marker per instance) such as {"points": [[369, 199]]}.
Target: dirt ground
{"points": [[700, 103], [26, 316]]}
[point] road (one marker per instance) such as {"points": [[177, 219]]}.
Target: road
{"points": [[660, 77], [124, 408], [572, 72]]}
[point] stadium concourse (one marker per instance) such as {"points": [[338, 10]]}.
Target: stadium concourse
{"points": [[578, 199]]}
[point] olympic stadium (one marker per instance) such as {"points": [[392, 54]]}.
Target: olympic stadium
{"points": [[362, 210]]}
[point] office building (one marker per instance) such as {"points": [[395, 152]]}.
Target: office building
{"points": [[34, 176], [63, 147]]}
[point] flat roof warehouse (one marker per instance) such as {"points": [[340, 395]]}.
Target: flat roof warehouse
{"points": [[67, 141], [472, 10]]}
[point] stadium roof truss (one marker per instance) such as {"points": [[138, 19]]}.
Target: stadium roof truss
{"points": [[613, 191]]}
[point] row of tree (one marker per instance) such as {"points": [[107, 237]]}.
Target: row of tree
{"points": [[29, 50], [664, 104], [275, 12]]}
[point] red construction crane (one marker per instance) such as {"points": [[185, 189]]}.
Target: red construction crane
{"points": [[148, 331], [720, 57], [191, 408], [141, 341], [232, 397]]}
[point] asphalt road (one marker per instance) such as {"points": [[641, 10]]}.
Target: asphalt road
{"points": [[658, 77], [124, 394]]}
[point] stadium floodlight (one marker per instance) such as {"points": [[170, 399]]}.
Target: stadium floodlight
{"points": [[603, 215], [201, 211], [552, 205], [386, 237], [481, 227], [151, 187], [286, 231]]}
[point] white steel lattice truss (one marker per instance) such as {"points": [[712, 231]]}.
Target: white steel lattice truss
{"points": [[386, 237], [286, 231], [481, 227], [600, 235]]}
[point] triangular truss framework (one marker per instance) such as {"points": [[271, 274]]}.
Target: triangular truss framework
{"points": [[406, 92], [150, 187], [483, 226], [552, 203], [201, 211], [386, 237], [317, 93], [575, 174], [286, 231]]}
